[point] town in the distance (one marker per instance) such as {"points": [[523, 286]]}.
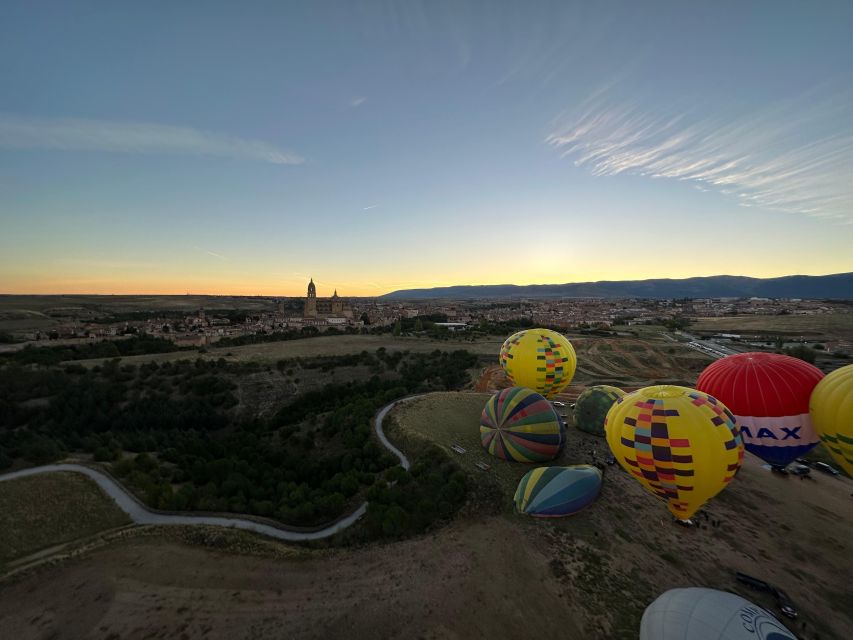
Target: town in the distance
{"points": [[199, 321]]}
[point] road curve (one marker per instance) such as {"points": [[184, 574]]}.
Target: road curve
{"points": [[139, 514]]}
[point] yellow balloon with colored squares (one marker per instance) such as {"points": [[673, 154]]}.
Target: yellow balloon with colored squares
{"points": [[539, 359], [683, 446]]}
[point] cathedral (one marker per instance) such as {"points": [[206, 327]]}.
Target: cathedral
{"points": [[333, 307]]}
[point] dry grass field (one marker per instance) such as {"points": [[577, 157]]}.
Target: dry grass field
{"points": [[42, 304], [270, 352], [819, 327], [460, 582], [50, 509], [620, 553]]}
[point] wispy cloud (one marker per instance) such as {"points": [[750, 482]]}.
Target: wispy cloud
{"points": [[795, 157], [368, 208], [357, 101], [127, 137], [211, 253]]}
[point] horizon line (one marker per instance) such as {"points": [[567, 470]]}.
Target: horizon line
{"points": [[379, 295]]}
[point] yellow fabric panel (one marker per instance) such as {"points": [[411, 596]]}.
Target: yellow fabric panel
{"points": [[680, 422], [831, 410]]}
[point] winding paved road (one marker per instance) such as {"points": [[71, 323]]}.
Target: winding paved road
{"points": [[139, 514]]}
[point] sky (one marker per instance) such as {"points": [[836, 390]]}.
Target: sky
{"points": [[241, 148]]}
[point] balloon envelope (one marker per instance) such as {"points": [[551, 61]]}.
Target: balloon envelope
{"points": [[592, 406], [708, 614], [831, 410], [680, 444], [768, 393], [552, 492], [519, 424], [539, 359]]}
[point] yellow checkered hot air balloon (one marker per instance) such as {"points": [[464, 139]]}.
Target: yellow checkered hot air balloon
{"points": [[539, 359], [682, 445], [831, 410]]}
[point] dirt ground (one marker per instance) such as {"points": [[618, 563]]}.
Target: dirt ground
{"points": [[472, 579], [624, 550]]}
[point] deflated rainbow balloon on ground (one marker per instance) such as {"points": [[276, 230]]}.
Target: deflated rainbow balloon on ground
{"points": [[553, 492]]}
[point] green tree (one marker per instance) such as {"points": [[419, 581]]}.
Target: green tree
{"points": [[802, 352], [398, 328]]}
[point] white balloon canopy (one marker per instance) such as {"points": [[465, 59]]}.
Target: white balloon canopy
{"points": [[707, 614]]}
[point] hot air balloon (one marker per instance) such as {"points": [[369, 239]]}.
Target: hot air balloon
{"points": [[519, 424], [540, 359], [552, 492], [592, 406], [768, 393], [682, 445], [707, 614], [831, 410]]}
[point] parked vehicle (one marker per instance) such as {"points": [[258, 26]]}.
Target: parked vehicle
{"points": [[822, 466], [782, 600], [785, 604], [801, 470]]}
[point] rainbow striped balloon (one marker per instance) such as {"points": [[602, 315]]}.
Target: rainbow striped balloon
{"points": [[520, 425]]}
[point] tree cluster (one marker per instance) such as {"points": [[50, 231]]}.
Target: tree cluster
{"points": [[173, 433]]}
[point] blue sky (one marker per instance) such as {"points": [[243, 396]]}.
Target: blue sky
{"points": [[211, 147]]}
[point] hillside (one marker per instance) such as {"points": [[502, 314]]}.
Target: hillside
{"points": [[838, 286]]}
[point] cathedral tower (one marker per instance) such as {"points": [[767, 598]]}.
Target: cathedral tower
{"points": [[337, 305], [311, 301]]}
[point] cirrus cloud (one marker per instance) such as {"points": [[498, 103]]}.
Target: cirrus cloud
{"points": [[75, 134], [782, 158]]}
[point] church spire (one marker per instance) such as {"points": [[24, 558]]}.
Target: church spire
{"points": [[312, 290]]}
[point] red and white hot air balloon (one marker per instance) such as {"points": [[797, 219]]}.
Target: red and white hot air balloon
{"points": [[768, 393]]}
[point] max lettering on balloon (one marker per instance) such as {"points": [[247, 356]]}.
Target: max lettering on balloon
{"points": [[764, 432]]}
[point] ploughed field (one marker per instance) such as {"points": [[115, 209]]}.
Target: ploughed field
{"points": [[50, 509], [628, 363]]}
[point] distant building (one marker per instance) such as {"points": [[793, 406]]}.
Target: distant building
{"points": [[334, 307]]}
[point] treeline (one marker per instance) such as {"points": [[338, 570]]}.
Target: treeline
{"points": [[142, 344], [408, 502], [192, 449]]}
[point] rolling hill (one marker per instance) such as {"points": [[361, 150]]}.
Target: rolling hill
{"points": [[837, 286]]}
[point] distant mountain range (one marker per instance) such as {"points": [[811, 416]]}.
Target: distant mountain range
{"points": [[838, 286]]}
